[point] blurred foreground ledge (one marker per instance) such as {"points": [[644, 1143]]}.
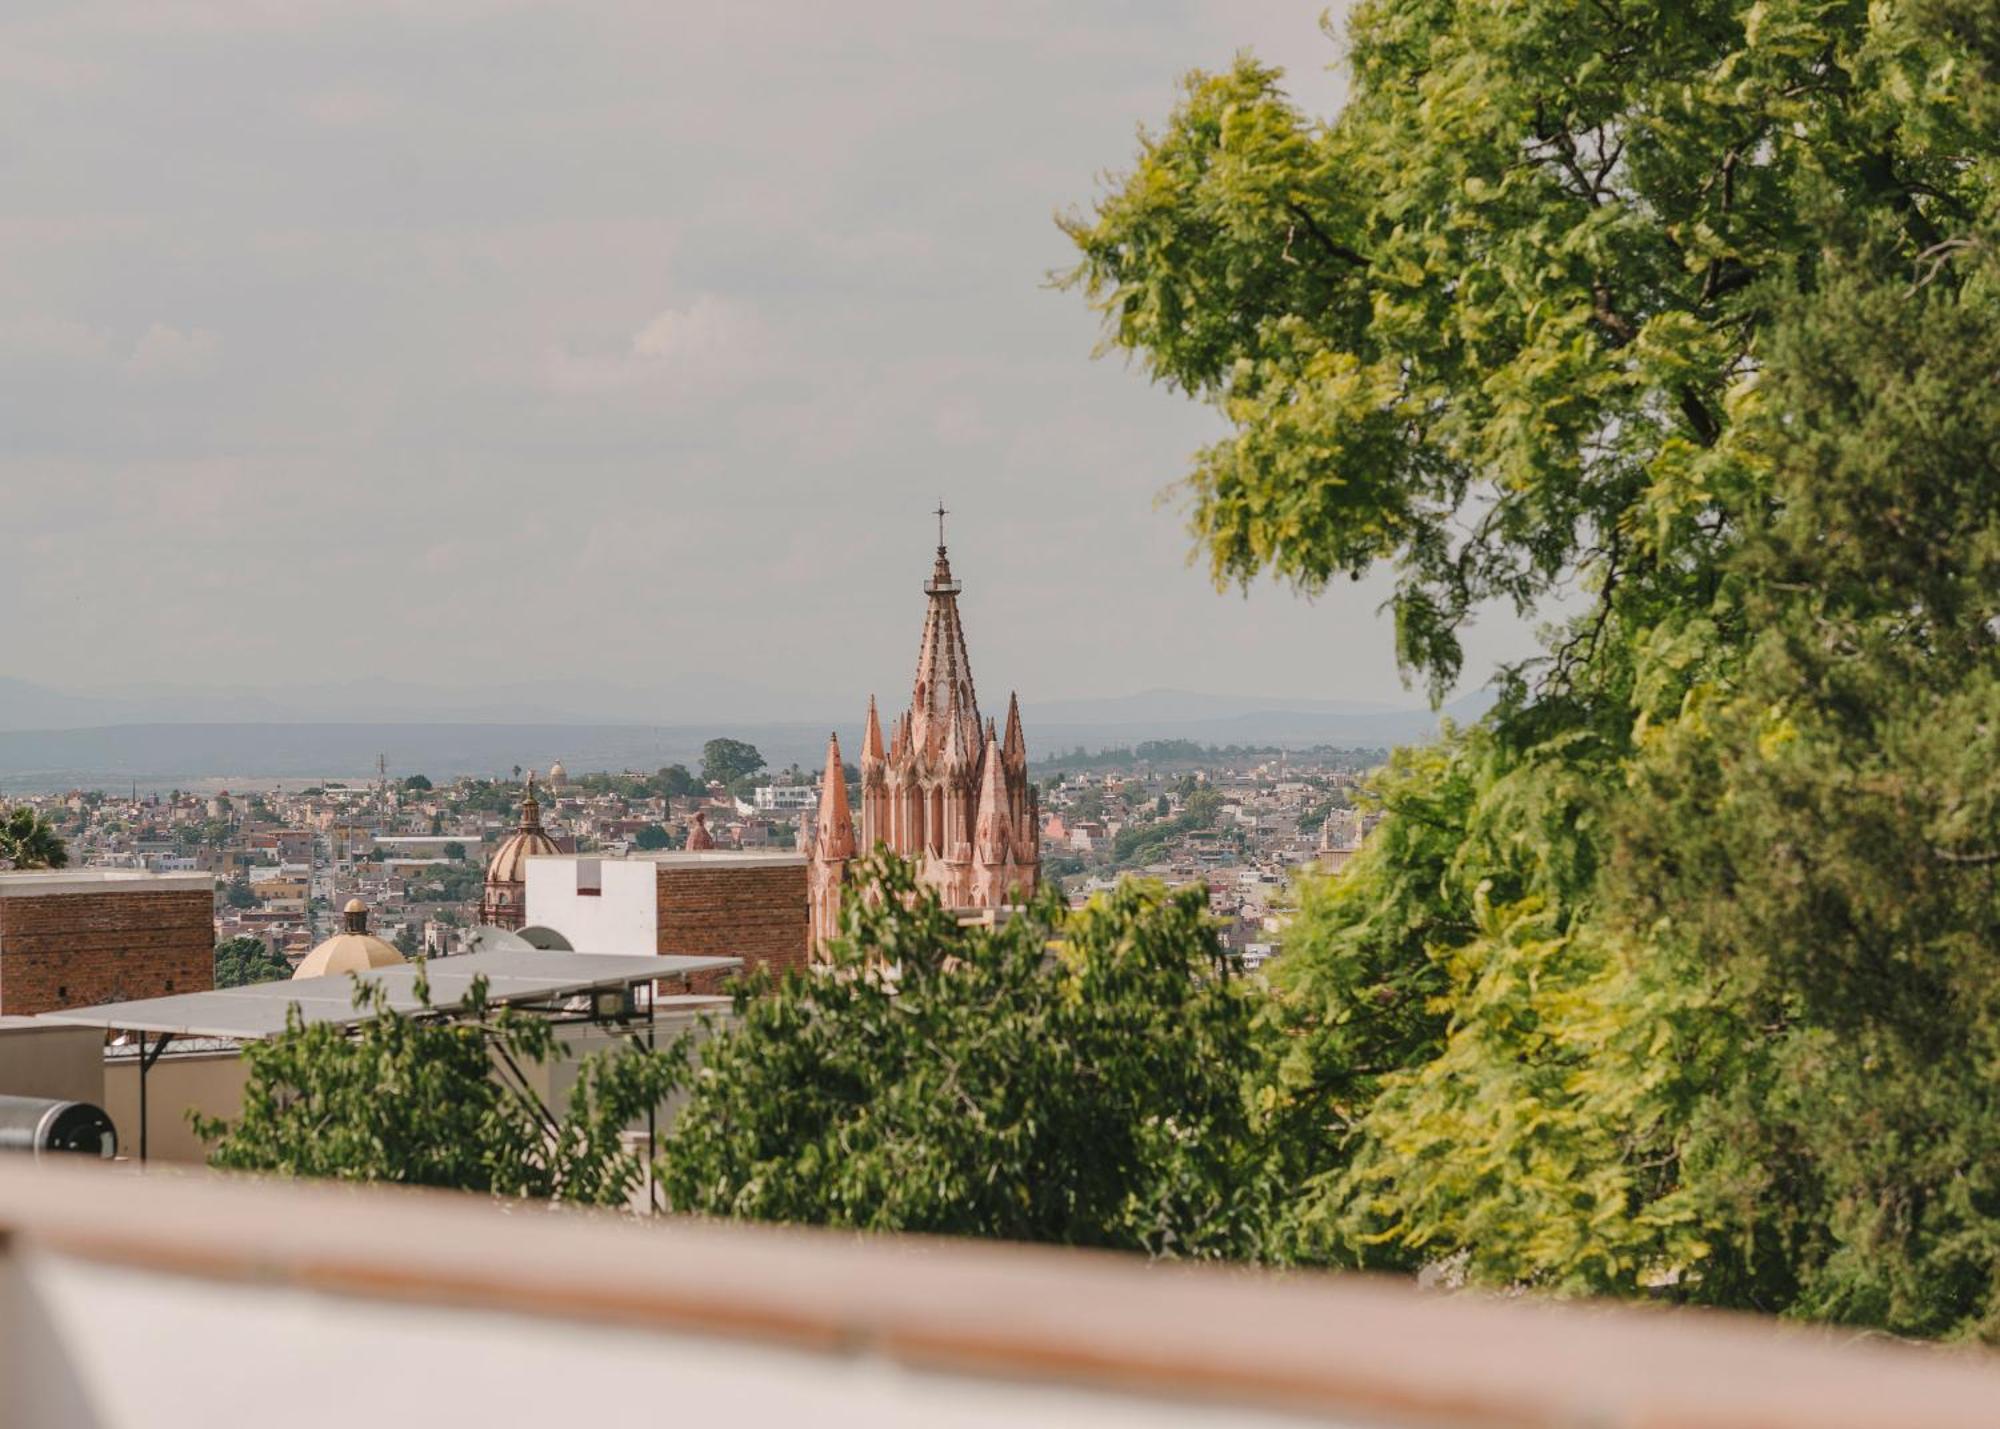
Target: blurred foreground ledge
{"points": [[186, 1298]]}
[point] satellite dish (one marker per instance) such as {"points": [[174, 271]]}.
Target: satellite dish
{"points": [[487, 938]]}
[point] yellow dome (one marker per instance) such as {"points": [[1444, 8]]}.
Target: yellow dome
{"points": [[354, 951], [557, 774], [347, 953]]}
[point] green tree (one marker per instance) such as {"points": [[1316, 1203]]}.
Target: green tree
{"points": [[652, 837], [1691, 307], [243, 960], [1079, 1078], [1487, 324], [417, 784], [674, 782], [237, 893], [415, 1099], [729, 761], [27, 840]]}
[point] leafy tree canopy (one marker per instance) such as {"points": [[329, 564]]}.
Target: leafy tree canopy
{"points": [[1494, 321], [729, 761], [1674, 974], [244, 960], [1082, 1078], [27, 840], [416, 1099], [674, 782]]}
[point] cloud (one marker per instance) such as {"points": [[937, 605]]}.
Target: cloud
{"points": [[347, 108], [709, 345], [40, 341], [165, 353], [699, 306]]}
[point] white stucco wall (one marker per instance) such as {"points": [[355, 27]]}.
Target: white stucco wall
{"points": [[104, 1347], [622, 917]]}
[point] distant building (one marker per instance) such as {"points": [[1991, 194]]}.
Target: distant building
{"points": [[723, 902], [773, 797]]}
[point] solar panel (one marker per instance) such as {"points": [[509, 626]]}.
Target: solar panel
{"points": [[513, 975]]}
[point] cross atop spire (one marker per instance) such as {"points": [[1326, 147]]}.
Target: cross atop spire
{"points": [[941, 582]]}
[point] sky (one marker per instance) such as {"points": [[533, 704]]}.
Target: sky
{"points": [[467, 341]]}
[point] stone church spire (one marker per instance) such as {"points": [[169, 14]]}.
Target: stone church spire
{"points": [[944, 669], [834, 829], [950, 791], [877, 814], [833, 848]]}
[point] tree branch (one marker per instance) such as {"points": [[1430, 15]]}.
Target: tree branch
{"points": [[1984, 859], [1608, 316], [1706, 428], [1338, 250]]}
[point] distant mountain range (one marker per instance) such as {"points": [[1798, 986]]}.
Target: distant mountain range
{"points": [[51, 739], [26, 706]]}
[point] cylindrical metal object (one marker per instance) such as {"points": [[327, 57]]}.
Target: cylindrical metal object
{"points": [[41, 1124]]}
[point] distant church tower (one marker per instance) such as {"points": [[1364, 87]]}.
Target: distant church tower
{"points": [[505, 903], [950, 792]]}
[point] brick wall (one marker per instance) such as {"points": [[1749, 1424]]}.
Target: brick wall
{"points": [[74, 949], [755, 912]]}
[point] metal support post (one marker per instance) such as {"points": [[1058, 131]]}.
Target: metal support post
{"points": [[146, 1060]]}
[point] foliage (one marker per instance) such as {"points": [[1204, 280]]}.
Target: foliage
{"points": [[417, 783], [729, 761], [417, 1099], [674, 782], [1674, 974], [237, 893], [1487, 324], [653, 836], [27, 840], [243, 960], [1083, 1078]]}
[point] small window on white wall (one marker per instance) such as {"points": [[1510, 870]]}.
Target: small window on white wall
{"points": [[589, 878]]}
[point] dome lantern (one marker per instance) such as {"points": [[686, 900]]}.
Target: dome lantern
{"points": [[354, 950]]}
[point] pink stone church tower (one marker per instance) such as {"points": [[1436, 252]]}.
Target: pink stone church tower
{"points": [[950, 792]]}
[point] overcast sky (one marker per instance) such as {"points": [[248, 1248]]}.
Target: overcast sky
{"points": [[460, 342]]}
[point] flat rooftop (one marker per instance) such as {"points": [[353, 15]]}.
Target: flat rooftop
{"points": [[727, 857], [34, 882], [259, 1010]]}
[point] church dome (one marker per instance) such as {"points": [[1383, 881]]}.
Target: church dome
{"points": [[558, 776], [355, 950], [510, 860], [507, 873]]}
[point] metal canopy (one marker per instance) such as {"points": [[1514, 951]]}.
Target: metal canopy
{"points": [[513, 975]]}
